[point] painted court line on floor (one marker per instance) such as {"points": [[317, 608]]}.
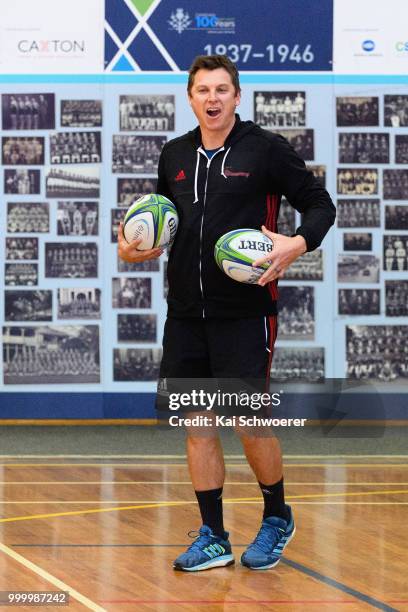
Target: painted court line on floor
{"points": [[51, 579], [181, 503], [338, 585]]}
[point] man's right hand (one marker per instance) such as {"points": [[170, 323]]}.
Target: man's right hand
{"points": [[129, 252]]}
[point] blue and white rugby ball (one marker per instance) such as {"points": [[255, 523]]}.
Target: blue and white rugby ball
{"points": [[152, 218], [236, 251]]}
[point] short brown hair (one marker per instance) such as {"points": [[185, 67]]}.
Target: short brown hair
{"points": [[212, 62]]}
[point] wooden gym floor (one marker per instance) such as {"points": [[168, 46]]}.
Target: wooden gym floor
{"points": [[108, 532]]}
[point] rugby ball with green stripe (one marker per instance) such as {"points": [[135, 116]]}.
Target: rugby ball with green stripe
{"points": [[235, 252], [153, 219]]}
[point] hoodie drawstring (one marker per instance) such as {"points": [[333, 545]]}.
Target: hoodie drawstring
{"points": [[196, 178], [223, 162], [200, 150]]}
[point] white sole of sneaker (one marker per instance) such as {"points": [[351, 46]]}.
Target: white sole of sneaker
{"points": [[265, 567], [220, 562]]}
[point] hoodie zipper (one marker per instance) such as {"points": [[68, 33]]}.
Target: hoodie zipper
{"points": [[209, 160]]}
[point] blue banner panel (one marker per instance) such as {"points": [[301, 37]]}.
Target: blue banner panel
{"points": [[278, 35], [71, 406]]}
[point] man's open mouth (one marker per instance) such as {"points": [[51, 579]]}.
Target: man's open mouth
{"points": [[213, 112]]}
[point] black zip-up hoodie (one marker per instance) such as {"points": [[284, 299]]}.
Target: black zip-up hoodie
{"points": [[239, 187]]}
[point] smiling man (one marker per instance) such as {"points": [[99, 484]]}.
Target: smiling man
{"points": [[224, 175]]}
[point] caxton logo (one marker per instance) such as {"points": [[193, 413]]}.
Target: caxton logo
{"points": [[51, 46]]}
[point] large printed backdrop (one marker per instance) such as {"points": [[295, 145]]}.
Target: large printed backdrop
{"points": [[76, 154]]}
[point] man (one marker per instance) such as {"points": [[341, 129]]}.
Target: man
{"points": [[224, 175]]}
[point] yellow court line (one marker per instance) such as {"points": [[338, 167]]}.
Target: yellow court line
{"points": [[181, 503], [50, 578]]}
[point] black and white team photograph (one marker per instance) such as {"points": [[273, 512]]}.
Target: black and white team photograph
{"points": [[22, 151], [81, 113], [296, 313], [21, 274], [396, 217], [77, 219], [151, 265], [361, 181], [75, 148], [28, 217], [401, 149], [21, 248], [377, 352], [165, 281], [358, 269], [395, 184], [396, 298], [319, 170], [364, 148], [21, 182], [359, 301], [28, 111], [79, 303], [136, 154], [137, 328], [298, 364], [117, 215], [358, 213], [308, 267], [131, 292], [27, 305], [130, 189], [133, 364], [51, 354], [352, 241], [77, 182], [301, 140], [357, 111], [286, 218], [396, 110], [395, 252], [280, 108], [71, 260], [151, 113]]}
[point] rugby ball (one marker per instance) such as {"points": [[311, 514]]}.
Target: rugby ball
{"points": [[235, 252], [153, 219]]}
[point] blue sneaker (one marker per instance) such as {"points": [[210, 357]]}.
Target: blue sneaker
{"points": [[206, 552], [266, 550]]}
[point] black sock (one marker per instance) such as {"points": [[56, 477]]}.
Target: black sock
{"points": [[210, 503], [274, 499]]}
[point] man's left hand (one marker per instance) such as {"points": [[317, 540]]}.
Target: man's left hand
{"points": [[285, 251]]}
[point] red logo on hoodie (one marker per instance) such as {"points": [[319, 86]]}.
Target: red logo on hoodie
{"points": [[181, 176]]}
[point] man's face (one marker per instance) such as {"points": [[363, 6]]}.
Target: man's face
{"points": [[213, 99]]}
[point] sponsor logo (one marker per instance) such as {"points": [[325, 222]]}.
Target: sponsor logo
{"points": [[401, 47], [255, 245], [51, 46], [230, 172], [368, 45], [181, 176], [180, 21]]}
